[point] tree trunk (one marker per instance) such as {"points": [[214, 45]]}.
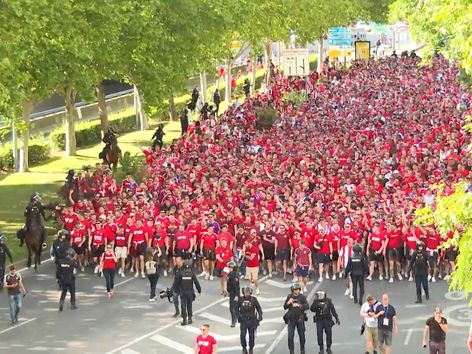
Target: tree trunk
{"points": [[228, 81], [253, 74], [25, 134], [320, 54], [203, 87], [102, 107], [267, 54], [173, 112], [69, 97]]}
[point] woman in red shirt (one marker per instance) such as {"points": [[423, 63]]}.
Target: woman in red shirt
{"points": [[107, 267]]}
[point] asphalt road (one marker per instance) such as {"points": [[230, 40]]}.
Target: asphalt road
{"points": [[129, 324]]}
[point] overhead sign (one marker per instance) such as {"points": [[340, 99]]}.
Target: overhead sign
{"points": [[296, 62], [362, 50], [338, 36]]}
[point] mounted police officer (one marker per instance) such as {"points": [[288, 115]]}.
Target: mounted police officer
{"points": [[4, 253], [67, 269], [233, 292], [108, 139], [248, 318], [419, 264], [324, 311], [184, 283], [296, 304], [59, 251], [158, 137], [34, 203], [358, 268]]}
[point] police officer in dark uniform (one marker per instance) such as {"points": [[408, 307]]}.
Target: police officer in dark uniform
{"points": [[4, 253], [184, 284], [248, 319], [296, 304], [419, 265], [67, 268], [59, 251], [34, 203], [158, 137], [175, 292], [233, 292], [108, 138], [357, 267], [324, 311]]}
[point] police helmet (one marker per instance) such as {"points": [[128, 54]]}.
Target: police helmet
{"points": [[35, 197], [247, 289], [70, 252], [419, 244], [295, 286], [3, 237], [63, 232], [357, 248], [320, 295], [232, 264]]}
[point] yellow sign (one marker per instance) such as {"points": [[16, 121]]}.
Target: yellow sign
{"points": [[235, 45], [362, 49]]}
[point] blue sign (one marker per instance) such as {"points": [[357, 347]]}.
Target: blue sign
{"points": [[339, 30], [347, 41], [339, 36]]}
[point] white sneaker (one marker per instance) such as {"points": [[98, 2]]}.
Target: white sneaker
{"points": [[446, 278], [440, 276], [433, 279], [381, 277], [351, 296], [369, 278], [400, 276], [264, 272], [320, 279], [152, 299], [101, 274], [334, 277], [211, 277], [391, 280], [202, 274], [142, 275], [96, 270], [270, 276], [410, 279], [82, 269], [165, 272], [346, 293], [305, 290], [207, 276], [136, 274], [258, 291], [429, 277], [119, 271], [327, 276], [123, 274]]}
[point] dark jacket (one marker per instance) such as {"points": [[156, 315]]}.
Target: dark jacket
{"points": [[419, 262], [357, 266], [233, 286], [296, 313], [184, 282], [4, 253], [324, 310], [247, 308], [66, 270]]}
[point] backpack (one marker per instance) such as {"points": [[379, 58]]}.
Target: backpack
{"points": [[151, 267]]}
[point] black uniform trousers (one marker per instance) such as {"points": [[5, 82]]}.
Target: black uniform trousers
{"points": [[2, 273], [233, 307], [175, 300], [324, 326], [186, 299], [68, 286], [421, 279], [248, 326], [300, 326], [357, 280]]}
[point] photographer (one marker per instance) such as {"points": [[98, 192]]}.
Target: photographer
{"points": [[296, 304], [368, 310], [324, 312]]}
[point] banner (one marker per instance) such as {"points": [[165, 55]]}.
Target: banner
{"points": [[362, 49]]}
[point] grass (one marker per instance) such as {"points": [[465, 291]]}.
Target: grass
{"points": [[16, 188]]}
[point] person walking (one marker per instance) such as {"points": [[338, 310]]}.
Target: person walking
{"points": [[184, 283], [233, 292], [59, 251], [437, 328], [205, 343], [419, 264], [370, 325], [16, 290], [178, 267], [152, 257], [248, 319], [4, 253], [67, 269], [387, 324], [108, 267], [324, 311], [296, 304], [357, 267]]}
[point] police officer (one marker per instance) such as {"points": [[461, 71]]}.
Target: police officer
{"points": [[59, 251], [296, 304], [184, 284], [358, 268], [248, 319], [233, 291], [4, 253], [108, 138], [34, 203], [324, 311], [419, 265], [179, 263], [67, 268]]}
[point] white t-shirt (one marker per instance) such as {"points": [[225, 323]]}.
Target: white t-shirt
{"points": [[369, 322]]}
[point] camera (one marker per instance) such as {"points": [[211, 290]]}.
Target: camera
{"points": [[166, 294]]}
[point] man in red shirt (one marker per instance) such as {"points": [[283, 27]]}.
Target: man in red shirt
{"points": [[322, 245], [77, 237], [224, 254], [208, 245], [376, 246], [251, 255], [334, 243], [302, 264], [393, 240], [109, 230], [283, 246], [139, 239], [69, 219], [205, 343], [121, 249], [183, 243], [433, 240], [97, 243]]}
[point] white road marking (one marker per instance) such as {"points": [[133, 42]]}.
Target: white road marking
{"points": [[270, 299], [129, 351], [124, 282], [225, 338], [238, 348], [408, 336], [278, 284], [172, 344], [32, 267], [226, 322], [89, 319], [17, 325]]}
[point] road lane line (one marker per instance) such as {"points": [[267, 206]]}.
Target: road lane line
{"points": [[228, 337], [238, 348], [173, 344], [32, 267], [408, 336], [18, 325]]}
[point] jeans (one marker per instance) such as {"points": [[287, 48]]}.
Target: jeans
{"points": [[300, 326], [109, 275], [437, 348], [153, 278], [15, 306]]}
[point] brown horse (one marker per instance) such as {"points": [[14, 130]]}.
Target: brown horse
{"points": [[113, 155], [34, 228]]}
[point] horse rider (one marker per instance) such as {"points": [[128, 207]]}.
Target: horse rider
{"points": [[4, 253], [108, 139], [34, 204], [157, 138], [59, 249]]}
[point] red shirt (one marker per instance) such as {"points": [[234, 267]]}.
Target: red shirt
{"points": [[110, 231], [205, 344], [182, 240], [333, 238], [226, 236], [394, 239], [432, 241], [410, 240], [346, 235], [97, 236], [121, 240], [283, 242], [309, 235], [209, 240], [69, 221], [162, 235], [250, 251], [376, 241], [108, 261], [77, 236], [138, 235], [322, 241], [303, 255], [192, 230], [225, 253]]}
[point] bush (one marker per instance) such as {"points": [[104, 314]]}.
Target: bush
{"points": [[38, 152], [89, 133], [131, 164], [265, 118], [297, 98]]}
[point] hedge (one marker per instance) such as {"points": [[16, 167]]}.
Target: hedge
{"points": [[89, 133], [38, 152]]}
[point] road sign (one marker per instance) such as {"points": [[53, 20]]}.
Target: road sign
{"points": [[296, 62], [339, 36], [362, 50]]}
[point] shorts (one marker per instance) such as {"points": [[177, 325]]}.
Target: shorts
{"points": [[182, 253], [269, 253], [433, 258], [141, 249], [376, 257], [121, 252], [222, 272], [385, 337], [209, 254], [79, 249], [392, 254], [335, 256], [371, 335], [283, 255], [252, 273], [323, 258], [302, 271], [97, 250], [451, 255]]}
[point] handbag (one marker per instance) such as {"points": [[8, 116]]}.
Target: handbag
{"points": [[362, 328]]}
